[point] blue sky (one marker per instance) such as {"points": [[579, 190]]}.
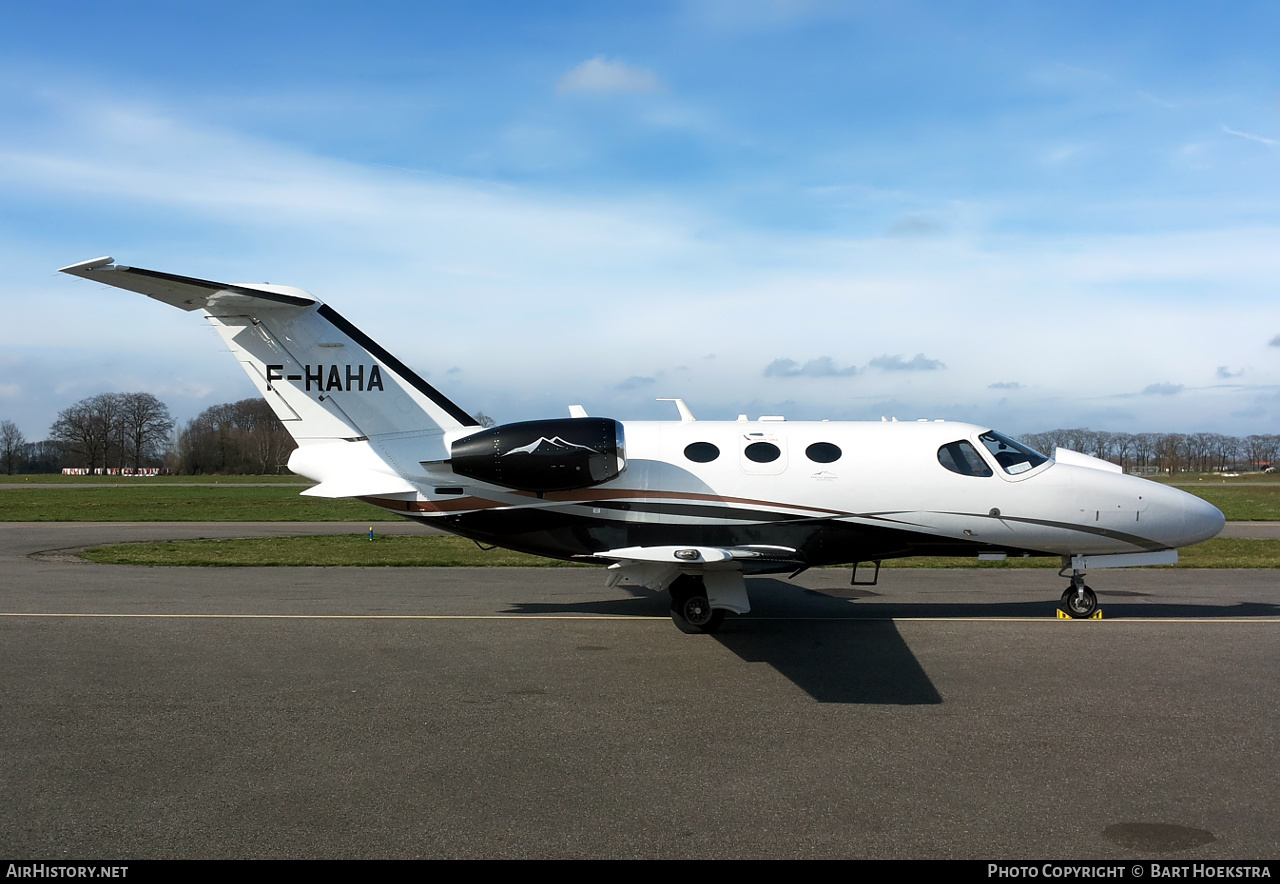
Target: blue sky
{"points": [[1024, 215]]}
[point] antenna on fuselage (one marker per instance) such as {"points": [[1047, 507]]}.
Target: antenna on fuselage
{"points": [[685, 413]]}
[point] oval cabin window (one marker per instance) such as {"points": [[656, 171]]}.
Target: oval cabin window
{"points": [[701, 452], [823, 452], [762, 452]]}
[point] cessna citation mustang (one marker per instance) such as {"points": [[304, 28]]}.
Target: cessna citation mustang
{"points": [[686, 506]]}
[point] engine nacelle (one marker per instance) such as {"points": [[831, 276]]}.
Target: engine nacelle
{"points": [[550, 455]]}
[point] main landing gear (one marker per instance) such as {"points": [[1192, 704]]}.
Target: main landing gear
{"points": [[1079, 601], [691, 610]]}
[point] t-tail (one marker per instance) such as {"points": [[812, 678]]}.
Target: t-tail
{"points": [[362, 419]]}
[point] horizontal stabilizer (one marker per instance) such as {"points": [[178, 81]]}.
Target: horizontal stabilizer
{"points": [[187, 292], [365, 483]]}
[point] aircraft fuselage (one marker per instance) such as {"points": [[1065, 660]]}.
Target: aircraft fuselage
{"points": [[878, 490]]}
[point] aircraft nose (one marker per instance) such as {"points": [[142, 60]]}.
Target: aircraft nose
{"points": [[1201, 521], [1183, 519]]}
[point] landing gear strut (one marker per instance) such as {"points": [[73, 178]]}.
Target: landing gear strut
{"points": [[1079, 601], [691, 610]]}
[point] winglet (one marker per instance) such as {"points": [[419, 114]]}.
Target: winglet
{"points": [[86, 266]]}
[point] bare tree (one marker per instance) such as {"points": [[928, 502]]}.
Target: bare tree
{"points": [[84, 430], [1166, 452], [12, 446], [266, 444], [1260, 451], [145, 424], [1122, 449], [235, 437], [46, 456]]}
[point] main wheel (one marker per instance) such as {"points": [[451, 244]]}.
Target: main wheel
{"points": [[1079, 606], [691, 610]]}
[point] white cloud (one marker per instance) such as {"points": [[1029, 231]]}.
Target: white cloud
{"points": [[897, 363], [1157, 101], [822, 367], [446, 271], [599, 74], [1269, 142], [1062, 153]]}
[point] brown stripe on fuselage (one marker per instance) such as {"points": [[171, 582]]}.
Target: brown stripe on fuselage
{"points": [[586, 495]]}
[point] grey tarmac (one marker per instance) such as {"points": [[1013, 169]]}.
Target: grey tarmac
{"points": [[392, 712]]}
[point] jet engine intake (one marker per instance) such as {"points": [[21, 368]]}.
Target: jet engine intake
{"points": [[548, 455]]}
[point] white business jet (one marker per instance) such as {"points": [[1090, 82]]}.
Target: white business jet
{"points": [[685, 506]]}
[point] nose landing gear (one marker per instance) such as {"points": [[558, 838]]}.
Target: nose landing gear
{"points": [[1079, 601]]}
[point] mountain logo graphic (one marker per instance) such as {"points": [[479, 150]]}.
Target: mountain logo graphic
{"points": [[543, 445]]}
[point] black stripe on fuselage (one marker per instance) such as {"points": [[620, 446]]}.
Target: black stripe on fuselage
{"points": [[692, 510], [1096, 531], [377, 351], [563, 534]]}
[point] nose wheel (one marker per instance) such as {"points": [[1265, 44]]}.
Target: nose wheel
{"points": [[1079, 601], [691, 610]]}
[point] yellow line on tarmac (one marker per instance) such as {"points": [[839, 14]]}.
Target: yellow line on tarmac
{"points": [[341, 616], [654, 618]]}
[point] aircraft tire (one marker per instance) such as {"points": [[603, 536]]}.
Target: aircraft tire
{"points": [[691, 610], [706, 621], [1079, 608]]}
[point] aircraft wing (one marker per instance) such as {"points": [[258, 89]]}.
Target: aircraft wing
{"points": [[187, 292], [705, 555], [722, 568]]}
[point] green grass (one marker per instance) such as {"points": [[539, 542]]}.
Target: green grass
{"points": [[1215, 478], [1221, 552], [1248, 504], [437, 552], [243, 498], [171, 503], [327, 550], [130, 481]]}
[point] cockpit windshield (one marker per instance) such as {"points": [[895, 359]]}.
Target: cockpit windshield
{"points": [[1013, 457]]}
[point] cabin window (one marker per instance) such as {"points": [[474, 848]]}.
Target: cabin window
{"points": [[701, 452], [961, 457], [823, 452], [1013, 457], [762, 452]]}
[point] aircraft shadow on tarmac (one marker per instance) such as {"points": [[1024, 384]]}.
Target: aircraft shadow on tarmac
{"points": [[829, 655], [845, 648]]}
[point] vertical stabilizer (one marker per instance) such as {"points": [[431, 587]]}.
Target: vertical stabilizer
{"points": [[325, 379]]}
